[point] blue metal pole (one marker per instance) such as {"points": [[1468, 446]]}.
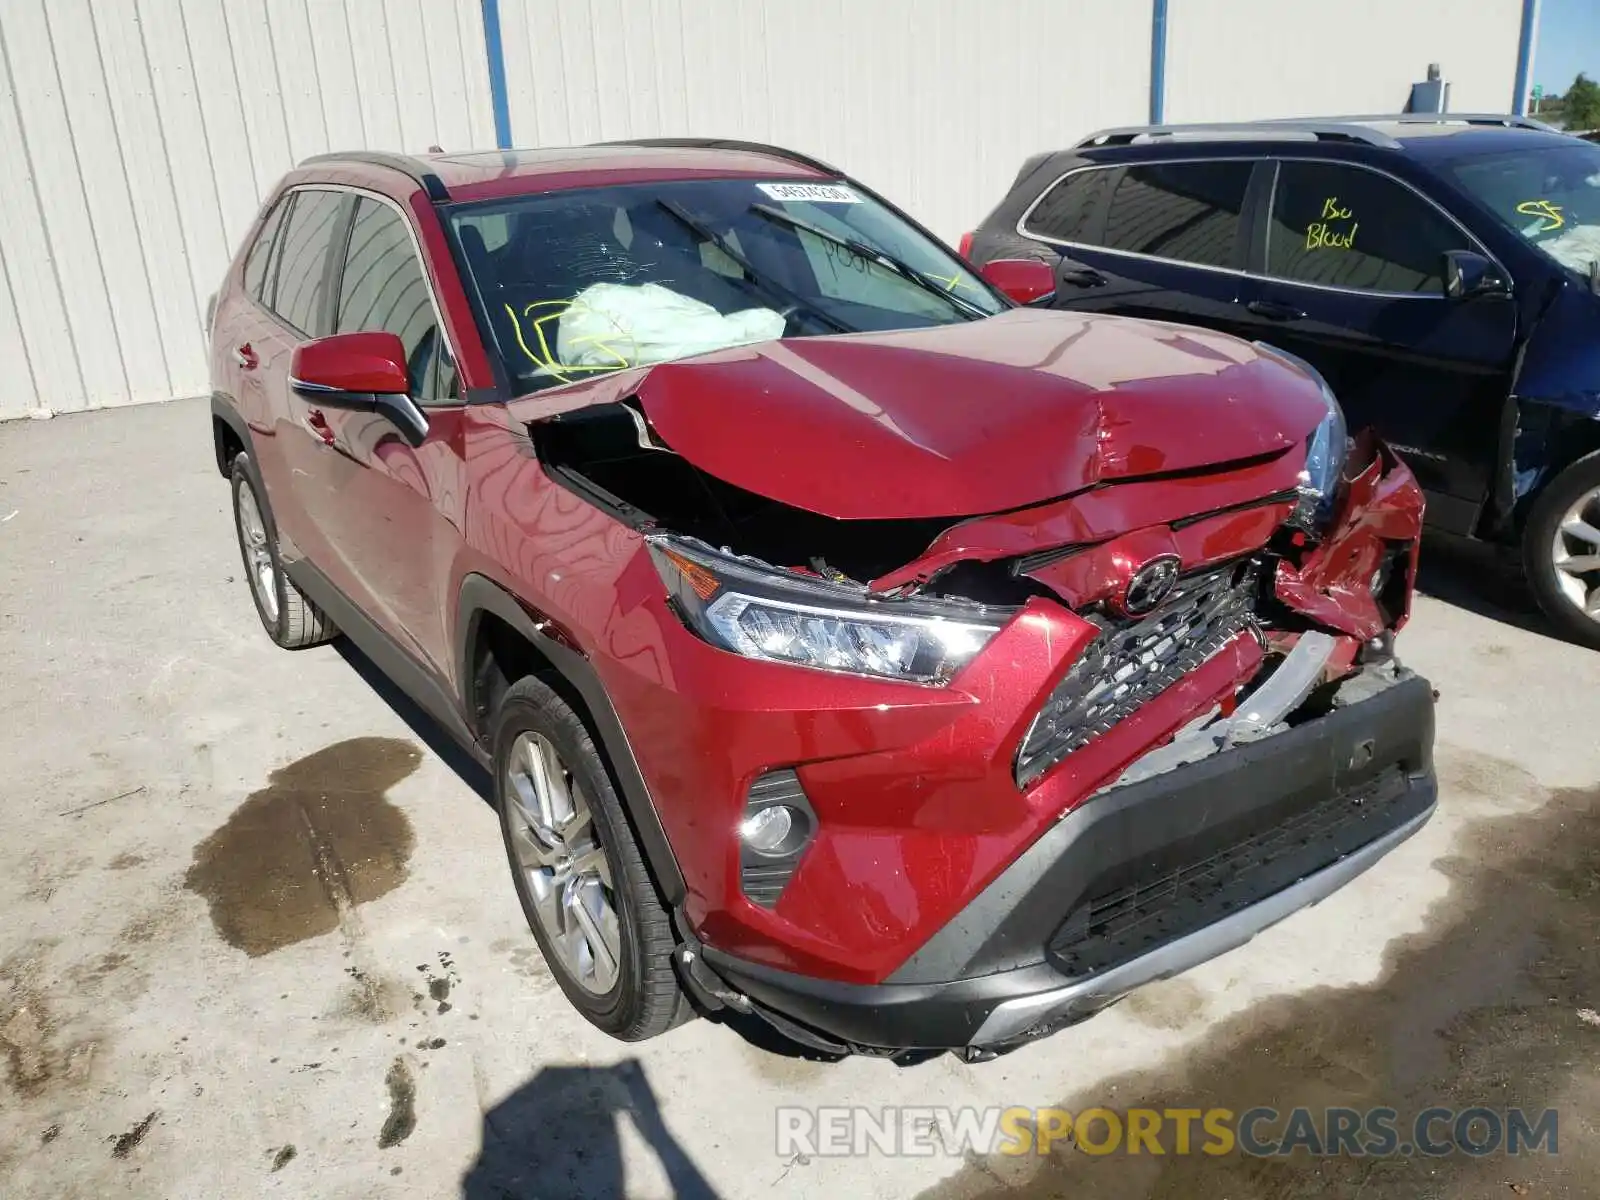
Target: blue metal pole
{"points": [[497, 73], [1158, 60], [1526, 44]]}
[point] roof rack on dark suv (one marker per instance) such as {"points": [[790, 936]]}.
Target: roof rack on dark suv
{"points": [[1344, 129]]}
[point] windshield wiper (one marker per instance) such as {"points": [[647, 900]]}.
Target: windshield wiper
{"points": [[872, 254], [773, 289]]}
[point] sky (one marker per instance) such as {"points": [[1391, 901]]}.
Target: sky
{"points": [[1569, 42]]}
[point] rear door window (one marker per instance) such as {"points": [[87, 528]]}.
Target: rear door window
{"points": [[383, 288], [1068, 211], [1187, 212], [1341, 225], [302, 263]]}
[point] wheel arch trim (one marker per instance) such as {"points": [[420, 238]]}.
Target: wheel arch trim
{"points": [[481, 595]]}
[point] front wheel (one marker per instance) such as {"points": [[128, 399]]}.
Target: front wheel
{"points": [[1561, 551], [584, 888]]}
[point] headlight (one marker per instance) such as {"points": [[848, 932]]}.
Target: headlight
{"points": [[758, 612], [1326, 450]]}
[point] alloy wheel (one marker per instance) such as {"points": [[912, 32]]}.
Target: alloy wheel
{"points": [[257, 552], [567, 873], [1575, 554]]}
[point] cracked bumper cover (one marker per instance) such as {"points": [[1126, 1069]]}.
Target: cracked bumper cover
{"points": [[1140, 883]]}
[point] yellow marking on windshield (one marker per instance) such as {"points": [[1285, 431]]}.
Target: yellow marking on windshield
{"points": [[1546, 210], [546, 359], [951, 283]]}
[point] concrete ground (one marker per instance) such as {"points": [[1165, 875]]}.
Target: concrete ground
{"points": [[184, 1013]]}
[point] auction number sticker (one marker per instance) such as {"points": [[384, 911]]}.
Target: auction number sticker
{"points": [[816, 193]]}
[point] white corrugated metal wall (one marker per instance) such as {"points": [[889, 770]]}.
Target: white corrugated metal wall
{"points": [[138, 136], [1234, 60], [935, 103]]}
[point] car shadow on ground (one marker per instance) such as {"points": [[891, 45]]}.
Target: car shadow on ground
{"points": [[559, 1136], [1479, 579], [426, 729]]}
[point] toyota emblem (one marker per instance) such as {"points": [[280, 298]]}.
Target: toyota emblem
{"points": [[1149, 586]]}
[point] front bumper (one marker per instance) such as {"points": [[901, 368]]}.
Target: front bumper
{"points": [[1138, 884]]}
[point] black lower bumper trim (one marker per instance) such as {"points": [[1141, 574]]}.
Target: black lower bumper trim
{"points": [[1142, 883]]}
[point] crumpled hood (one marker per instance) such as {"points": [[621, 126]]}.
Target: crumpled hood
{"points": [[966, 419]]}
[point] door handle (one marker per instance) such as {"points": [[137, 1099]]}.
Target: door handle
{"points": [[318, 424], [246, 357], [1272, 310], [1083, 277]]}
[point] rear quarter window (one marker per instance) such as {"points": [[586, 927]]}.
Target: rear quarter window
{"points": [[257, 275], [1067, 212]]}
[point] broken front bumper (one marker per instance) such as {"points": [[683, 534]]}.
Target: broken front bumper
{"points": [[1139, 883]]}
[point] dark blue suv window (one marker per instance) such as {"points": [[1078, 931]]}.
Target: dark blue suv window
{"points": [[1183, 211], [1346, 226]]}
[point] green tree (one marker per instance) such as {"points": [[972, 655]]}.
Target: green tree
{"points": [[1582, 103]]}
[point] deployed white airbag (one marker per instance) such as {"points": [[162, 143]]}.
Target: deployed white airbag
{"points": [[621, 325]]}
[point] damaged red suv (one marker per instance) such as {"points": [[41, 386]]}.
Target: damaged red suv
{"points": [[849, 646]]}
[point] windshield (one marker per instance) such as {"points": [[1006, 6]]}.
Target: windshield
{"points": [[578, 283], [1550, 195]]}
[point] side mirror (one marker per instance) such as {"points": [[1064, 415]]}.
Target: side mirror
{"points": [[362, 372], [1023, 279], [1468, 274]]}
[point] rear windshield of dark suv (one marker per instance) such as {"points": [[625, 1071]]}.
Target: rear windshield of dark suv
{"points": [[577, 283]]}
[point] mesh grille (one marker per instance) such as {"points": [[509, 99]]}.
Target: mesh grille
{"points": [[1129, 664], [1133, 920]]}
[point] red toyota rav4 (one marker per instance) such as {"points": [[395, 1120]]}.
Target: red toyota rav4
{"points": [[848, 644]]}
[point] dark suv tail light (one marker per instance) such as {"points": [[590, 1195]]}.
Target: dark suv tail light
{"points": [[966, 245]]}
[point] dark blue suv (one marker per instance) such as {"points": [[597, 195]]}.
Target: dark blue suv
{"points": [[1441, 271]]}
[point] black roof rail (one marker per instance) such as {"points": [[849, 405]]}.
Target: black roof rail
{"points": [[695, 143], [404, 163]]}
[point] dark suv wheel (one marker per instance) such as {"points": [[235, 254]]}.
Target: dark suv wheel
{"points": [[584, 888], [1561, 551], [288, 616]]}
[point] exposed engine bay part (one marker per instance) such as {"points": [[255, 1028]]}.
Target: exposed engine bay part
{"points": [[1081, 551], [1262, 714], [879, 426]]}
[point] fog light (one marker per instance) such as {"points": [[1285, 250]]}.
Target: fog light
{"points": [[767, 830], [777, 827]]}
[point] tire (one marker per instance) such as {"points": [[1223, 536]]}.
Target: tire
{"points": [[1573, 497], [640, 996], [289, 617]]}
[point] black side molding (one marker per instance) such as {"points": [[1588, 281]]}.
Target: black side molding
{"points": [[480, 595], [415, 680]]}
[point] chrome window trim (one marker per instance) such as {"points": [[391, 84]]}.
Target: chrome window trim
{"points": [[1474, 243], [1038, 200], [422, 261]]}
